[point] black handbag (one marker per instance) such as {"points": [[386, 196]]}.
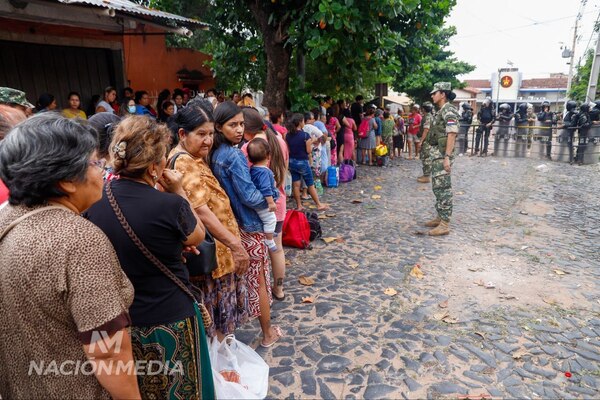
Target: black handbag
{"points": [[205, 262]]}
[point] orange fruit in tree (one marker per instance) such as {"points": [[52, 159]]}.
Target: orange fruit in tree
{"points": [[322, 24], [253, 58]]}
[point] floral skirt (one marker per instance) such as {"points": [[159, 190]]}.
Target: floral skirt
{"points": [[259, 264], [181, 351], [226, 299]]}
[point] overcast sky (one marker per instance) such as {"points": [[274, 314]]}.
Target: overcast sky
{"points": [[526, 32]]}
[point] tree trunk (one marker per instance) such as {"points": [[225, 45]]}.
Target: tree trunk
{"points": [[278, 55]]}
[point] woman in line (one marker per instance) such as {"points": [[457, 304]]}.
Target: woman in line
{"points": [[166, 110], [333, 127], [74, 111], [142, 101], [367, 144], [254, 127], [46, 102], [225, 293], [109, 97], [127, 107], [300, 145], [166, 324], [61, 280], [231, 169], [347, 151]]}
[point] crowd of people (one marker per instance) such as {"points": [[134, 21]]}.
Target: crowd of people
{"points": [[112, 204], [119, 194]]}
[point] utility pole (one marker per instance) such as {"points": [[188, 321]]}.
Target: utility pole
{"points": [[569, 81], [593, 83]]}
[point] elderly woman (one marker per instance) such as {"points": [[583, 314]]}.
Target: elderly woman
{"points": [[230, 167], [166, 323], [254, 127], [64, 296], [225, 294]]}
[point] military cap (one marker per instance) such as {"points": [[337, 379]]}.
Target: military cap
{"points": [[441, 86], [14, 96]]}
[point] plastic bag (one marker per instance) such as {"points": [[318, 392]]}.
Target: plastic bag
{"points": [[381, 150], [287, 184], [238, 371]]}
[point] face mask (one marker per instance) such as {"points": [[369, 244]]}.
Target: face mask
{"points": [[131, 109]]}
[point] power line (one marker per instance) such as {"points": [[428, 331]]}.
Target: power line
{"points": [[520, 27]]}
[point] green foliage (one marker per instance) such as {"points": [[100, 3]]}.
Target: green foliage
{"points": [[579, 84], [349, 44]]}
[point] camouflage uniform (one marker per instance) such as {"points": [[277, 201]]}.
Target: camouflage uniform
{"points": [[445, 121], [425, 155], [13, 96]]}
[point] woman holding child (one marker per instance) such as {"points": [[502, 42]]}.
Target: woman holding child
{"points": [[225, 293], [230, 167]]}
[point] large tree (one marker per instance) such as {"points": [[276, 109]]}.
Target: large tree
{"points": [[579, 84], [344, 45]]}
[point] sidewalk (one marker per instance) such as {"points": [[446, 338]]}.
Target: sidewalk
{"points": [[526, 232]]}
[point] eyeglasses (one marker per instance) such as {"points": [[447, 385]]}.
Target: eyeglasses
{"points": [[98, 163]]}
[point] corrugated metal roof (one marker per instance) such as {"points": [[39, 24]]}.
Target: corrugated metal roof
{"points": [[128, 7]]}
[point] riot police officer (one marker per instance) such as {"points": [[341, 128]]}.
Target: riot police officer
{"points": [[501, 137], [570, 124], [595, 113], [521, 123], [465, 121], [486, 117], [583, 127], [548, 119]]}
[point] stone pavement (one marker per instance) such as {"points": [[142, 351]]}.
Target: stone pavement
{"points": [[508, 305]]}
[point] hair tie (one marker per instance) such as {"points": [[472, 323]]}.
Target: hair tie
{"points": [[264, 127], [119, 149]]}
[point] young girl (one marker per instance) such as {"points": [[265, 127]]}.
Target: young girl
{"points": [[300, 145], [259, 154]]}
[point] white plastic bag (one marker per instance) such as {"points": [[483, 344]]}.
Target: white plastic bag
{"points": [[238, 371], [287, 185]]}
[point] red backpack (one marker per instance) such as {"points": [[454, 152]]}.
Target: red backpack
{"points": [[363, 128], [296, 230]]}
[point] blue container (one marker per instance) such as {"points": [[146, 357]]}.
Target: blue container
{"points": [[333, 176]]}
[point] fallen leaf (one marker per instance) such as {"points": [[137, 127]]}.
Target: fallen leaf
{"points": [[306, 280], [490, 285], [479, 282], [473, 269], [340, 240], [323, 216], [509, 297], [377, 187], [353, 265], [548, 300], [517, 355], [450, 320], [443, 304], [441, 315], [524, 247], [376, 196], [356, 201], [312, 206], [459, 193], [308, 300], [416, 272], [572, 257], [480, 334], [523, 213], [330, 215], [422, 188], [390, 291], [559, 272], [329, 239], [288, 263]]}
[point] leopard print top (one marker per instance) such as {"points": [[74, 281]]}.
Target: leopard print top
{"points": [[59, 276]]}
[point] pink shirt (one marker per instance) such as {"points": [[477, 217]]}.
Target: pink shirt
{"points": [[3, 193], [282, 200]]}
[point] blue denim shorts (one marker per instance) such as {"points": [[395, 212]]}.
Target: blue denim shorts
{"points": [[301, 169]]}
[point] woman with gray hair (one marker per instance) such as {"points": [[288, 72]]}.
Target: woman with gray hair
{"points": [[62, 282]]}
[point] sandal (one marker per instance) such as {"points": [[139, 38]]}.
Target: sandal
{"points": [[279, 333]]}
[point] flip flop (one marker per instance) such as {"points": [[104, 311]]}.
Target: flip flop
{"points": [[279, 333], [279, 298]]}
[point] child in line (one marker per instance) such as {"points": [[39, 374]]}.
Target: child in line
{"points": [[259, 155]]}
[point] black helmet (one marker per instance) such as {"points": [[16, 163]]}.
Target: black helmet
{"points": [[571, 105], [504, 106], [597, 104], [546, 104], [427, 106], [465, 106], [523, 107], [585, 107]]}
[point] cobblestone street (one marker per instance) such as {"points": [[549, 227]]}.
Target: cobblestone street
{"points": [[508, 304]]}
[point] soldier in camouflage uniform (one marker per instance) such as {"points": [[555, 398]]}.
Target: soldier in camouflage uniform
{"points": [[15, 98], [425, 155], [441, 138]]}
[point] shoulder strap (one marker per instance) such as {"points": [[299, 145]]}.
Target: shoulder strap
{"points": [[27, 215], [136, 240], [174, 158]]}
